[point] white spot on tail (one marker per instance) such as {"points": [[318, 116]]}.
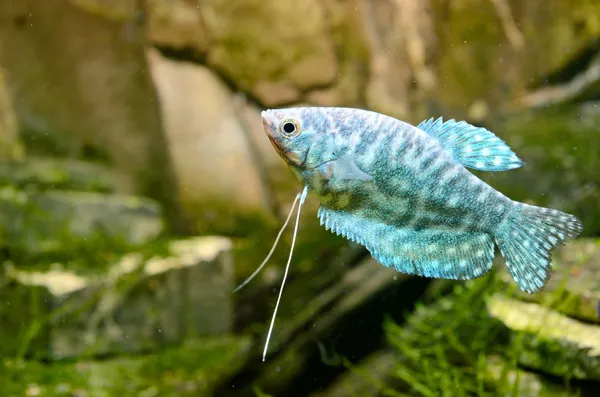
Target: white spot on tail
{"points": [[449, 173], [453, 201], [482, 196]]}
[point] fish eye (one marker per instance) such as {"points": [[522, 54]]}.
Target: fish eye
{"points": [[289, 128]]}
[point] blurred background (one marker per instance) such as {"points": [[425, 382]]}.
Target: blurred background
{"points": [[137, 189]]}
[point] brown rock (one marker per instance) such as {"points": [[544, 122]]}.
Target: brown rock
{"points": [[278, 41], [273, 93], [113, 9], [348, 29], [282, 184], [10, 144], [400, 38], [82, 79], [214, 158], [176, 24]]}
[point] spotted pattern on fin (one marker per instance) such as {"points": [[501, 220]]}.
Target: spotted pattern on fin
{"points": [[527, 239], [473, 147], [428, 253]]}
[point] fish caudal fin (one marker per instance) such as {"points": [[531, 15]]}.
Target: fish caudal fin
{"points": [[527, 238]]}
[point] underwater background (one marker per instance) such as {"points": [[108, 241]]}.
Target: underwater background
{"points": [[138, 188]]}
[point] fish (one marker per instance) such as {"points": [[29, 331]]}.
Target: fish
{"points": [[406, 193]]}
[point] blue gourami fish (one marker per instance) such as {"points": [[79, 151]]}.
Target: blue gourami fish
{"points": [[406, 194]]}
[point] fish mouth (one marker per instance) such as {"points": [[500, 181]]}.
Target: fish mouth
{"points": [[270, 131], [276, 143], [289, 156]]}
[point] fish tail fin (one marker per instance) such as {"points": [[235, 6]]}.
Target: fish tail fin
{"points": [[526, 239]]}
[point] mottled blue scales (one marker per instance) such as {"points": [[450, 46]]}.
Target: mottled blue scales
{"points": [[473, 147], [429, 252], [405, 193]]}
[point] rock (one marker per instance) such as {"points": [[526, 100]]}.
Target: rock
{"points": [[399, 56], [260, 42], [274, 93], [483, 61], [347, 24], [10, 144], [475, 338], [191, 369], [282, 184], [176, 24], [138, 305], [215, 160], [96, 99], [551, 342], [574, 287], [113, 9], [560, 147], [522, 383], [581, 87], [55, 221], [50, 173]]}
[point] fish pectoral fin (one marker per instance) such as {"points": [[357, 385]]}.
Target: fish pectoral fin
{"points": [[433, 253], [344, 168], [473, 147]]}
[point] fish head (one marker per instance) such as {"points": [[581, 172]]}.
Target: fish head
{"points": [[297, 136]]}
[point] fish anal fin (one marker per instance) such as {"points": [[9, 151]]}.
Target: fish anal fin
{"points": [[473, 147], [430, 253]]}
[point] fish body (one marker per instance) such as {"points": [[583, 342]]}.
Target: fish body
{"points": [[405, 193]]}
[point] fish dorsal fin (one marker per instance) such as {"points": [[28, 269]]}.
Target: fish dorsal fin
{"points": [[473, 147]]}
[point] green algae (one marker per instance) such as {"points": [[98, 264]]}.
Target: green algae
{"points": [[475, 59], [460, 346], [50, 173], [191, 369]]}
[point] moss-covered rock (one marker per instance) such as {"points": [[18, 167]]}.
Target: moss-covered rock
{"points": [[366, 378], [50, 173], [177, 24], [218, 169], [523, 383], [111, 9], [550, 342], [192, 369], [560, 147], [347, 27], [11, 147], [96, 99], [493, 54], [574, 287], [136, 305], [36, 223], [473, 340], [254, 42]]}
